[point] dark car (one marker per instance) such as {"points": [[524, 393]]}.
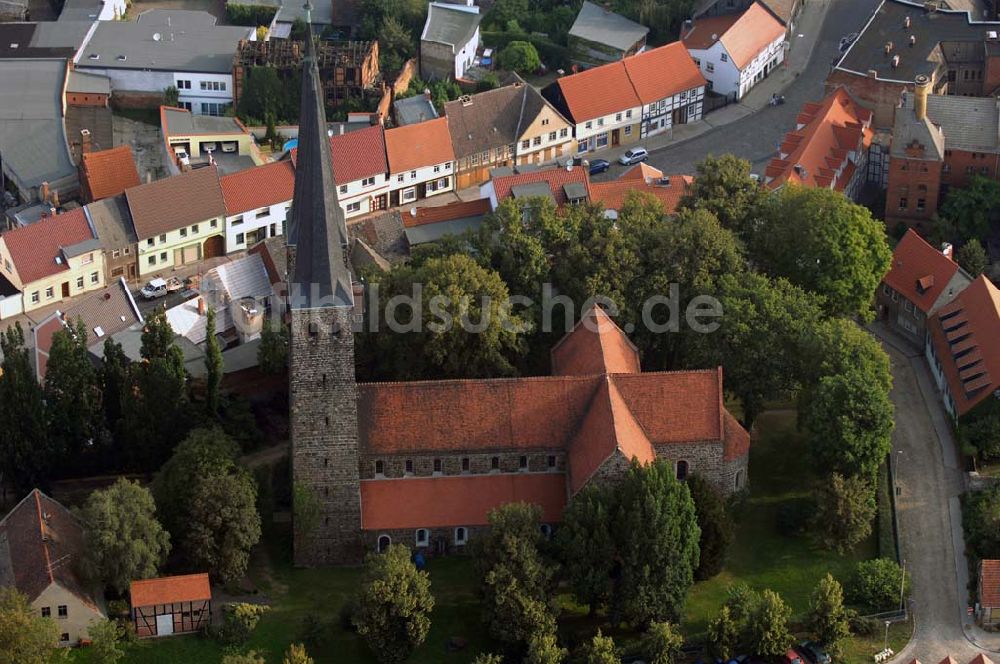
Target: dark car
{"points": [[813, 653], [599, 166]]}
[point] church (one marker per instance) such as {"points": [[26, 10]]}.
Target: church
{"points": [[423, 463]]}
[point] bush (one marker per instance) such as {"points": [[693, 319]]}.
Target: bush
{"points": [[875, 585], [250, 15], [862, 626], [239, 621], [519, 56]]}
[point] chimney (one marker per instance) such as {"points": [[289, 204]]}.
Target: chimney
{"points": [[930, 6], [947, 249], [906, 22], [921, 86], [427, 94], [201, 312], [887, 48], [54, 200], [913, 40], [341, 128], [43, 192], [895, 61], [872, 73], [149, 176], [85, 146]]}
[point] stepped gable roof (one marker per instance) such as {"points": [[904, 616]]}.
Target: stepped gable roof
{"points": [[456, 500], [40, 544], [966, 338], [38, 249], [663, 72], [170, 590], [318, 228], [814, 152], [601, 347], [920, 272]]}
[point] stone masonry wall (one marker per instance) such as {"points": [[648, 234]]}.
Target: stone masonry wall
{"points": [[451, 463]]}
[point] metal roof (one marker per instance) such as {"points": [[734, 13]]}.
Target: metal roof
{"points": [[189, 41], [88, 83], [450, 24], [412, 110], [596, 24], [180, 122]]}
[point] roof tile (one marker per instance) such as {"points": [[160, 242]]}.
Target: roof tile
{"points": [[914, 261], [34, 248], [170, 589], [258, 187], [433, 214], [417, 145], [174, 202], [744, 37], [663, 72], [989, 582], [555, 178], [597, 92], [108, 172]]}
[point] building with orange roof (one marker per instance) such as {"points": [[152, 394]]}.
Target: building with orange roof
{"points": [[920, 281], [107, 173], [42, 545], [562, 186], [257, 203], [53, 259], [431, 223], [421, 161], [736, 51], [828, 147], [667, 189], [171, 605], [429, 480], [963, 347], [988, 593], [669, 85]]}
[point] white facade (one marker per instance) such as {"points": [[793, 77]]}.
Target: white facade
{"points": [[466, 56], [939, 377], [725, 78], [247, 229], [422, 182], [178, 247], [684, 107], [204, 94], [365, 195], [598, 133]]}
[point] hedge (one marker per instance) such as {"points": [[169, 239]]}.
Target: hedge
{"points": [[251, 15]]}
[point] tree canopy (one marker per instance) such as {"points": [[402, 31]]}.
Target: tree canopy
{"points": [[519, 56], [968, 212], [25, 454], [25, 637]]}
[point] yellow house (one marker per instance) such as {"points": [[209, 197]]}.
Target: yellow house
{"points": [[198, 135], [178, 221], [545, 135], [53, 259], [42, 545]]}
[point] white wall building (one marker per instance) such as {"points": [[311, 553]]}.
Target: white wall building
{"points": [[258, 202], [736, 51], [421, 161], [449, 41]]}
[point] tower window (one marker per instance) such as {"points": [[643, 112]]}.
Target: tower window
{"points": [[461, 536], [551, 461], [682, 470], [379, 467], [546, 530], [437, 465], [423, 536], [409, 466], [326, 491], [495, 463], [326, 463], [313, 329], [327, 420], [523, 462], [465, 464]]}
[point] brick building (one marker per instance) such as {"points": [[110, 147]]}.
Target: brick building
{"points": [[938, 142], [424, 462]]}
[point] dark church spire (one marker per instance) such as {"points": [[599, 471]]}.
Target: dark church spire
{"points": [[317, 229]]}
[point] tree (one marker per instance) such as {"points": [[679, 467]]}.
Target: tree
{"points": [[107, 640], [662, 643], [543, 648], [296, 654], [715, 525], [72, 396], [398, 44], [457, 325], [723, 635], [741, 600], [981, 431], [601, 650], [123, 539], [519, 56], [25, 454], [394, 604], [252, 656], [842, 256], [223, 524], [845, 511], [239, 620], [657, 532], [272, 353], [171, 96], [213, 366], [968, 212], [827, 617], [489, 81], [115, 382], [877, 585], [973, 257], [723, 186], [487, 658], [768, 625], [25, 637], [586, 545]]}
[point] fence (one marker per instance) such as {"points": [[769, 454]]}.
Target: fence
{"points": [[715, 101]]}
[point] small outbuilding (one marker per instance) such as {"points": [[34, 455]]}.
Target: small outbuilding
{"points": [[989, 593], [171, 605]]}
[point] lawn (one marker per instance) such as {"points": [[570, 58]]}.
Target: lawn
{"points": [[761, 556]]}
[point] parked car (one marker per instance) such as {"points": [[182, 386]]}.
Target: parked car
{"points": [[182, 156], [229, 146], [791, 656], [209, 147], [599, 166], [812, 652], [634, 156], [159, 287]]}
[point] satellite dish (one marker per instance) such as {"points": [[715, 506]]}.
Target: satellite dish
{"points": [[157, 36]]}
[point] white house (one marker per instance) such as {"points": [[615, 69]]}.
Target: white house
{"points": [[257, 203], [449, 41], [93, 10], [163, 48], [360, 170], [421, 161], [736, 51], [669, 85]]}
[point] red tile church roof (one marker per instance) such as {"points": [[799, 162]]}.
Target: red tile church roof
{"points": [[605, 350]]}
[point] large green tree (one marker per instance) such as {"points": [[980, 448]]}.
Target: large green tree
{"points": [[662, 643], [658, 536], [115, 383], [973, 257], [25, 455], [723, 186], [586, 544], [213, 366], [723, 635], [715, 525], [969, 211], [768, 625], [519, 56], [601, 650], [845, 510], [877, 585], [223, 524], [124, 541], [393, 605], [820, 240], [25, 637], [72, 396], [827, 617]]}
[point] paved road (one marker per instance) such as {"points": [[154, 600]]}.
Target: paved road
{"points": [[930, 481], [756, 137]]}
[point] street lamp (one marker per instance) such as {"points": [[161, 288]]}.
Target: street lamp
{"points": [[885, 644], [895, 472]]}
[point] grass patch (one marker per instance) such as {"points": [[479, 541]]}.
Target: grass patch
{"points": [[860, 649]]}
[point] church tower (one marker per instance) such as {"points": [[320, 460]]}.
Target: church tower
{"points": [[322, 389]]}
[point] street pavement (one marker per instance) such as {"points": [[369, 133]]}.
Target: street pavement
{"points": [[751, 129]]}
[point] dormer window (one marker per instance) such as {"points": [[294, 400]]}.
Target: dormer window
{"points": [[94, 56]]}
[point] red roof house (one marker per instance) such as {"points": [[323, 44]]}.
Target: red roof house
{"points": [[989, 592], [561, 185], [171, 604], [258, 187], [107, 173], [662, 72], [645, 179]]}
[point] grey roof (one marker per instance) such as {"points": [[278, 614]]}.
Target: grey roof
{"points": [[433, 232], [575, 190], [180, 122], [413, 110], [190, 41], [493, 118], [907, 130], [966, 123], [930, 28], [55, 39], [111, 221], [88, 83], [81, 10], [362, 255], [61, 35], [243, 277], [317, 228], [532, 189], [32, 136], [450, 24], [596, 24], [81, 248]]}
